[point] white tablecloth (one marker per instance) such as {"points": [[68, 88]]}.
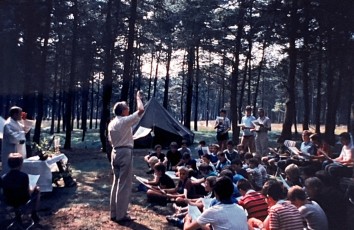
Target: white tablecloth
{"points": [[35, 166]]}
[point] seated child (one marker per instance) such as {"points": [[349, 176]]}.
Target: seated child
{"points": [[236, 166], [184, 189], [230, 152], [152, 162], [189, 163], [205, 171], [173, 157], [16, 189], [160, 181], [214, 149], [222, 162], [158, 153], [199, 149], [206, 158], [255, 175]]}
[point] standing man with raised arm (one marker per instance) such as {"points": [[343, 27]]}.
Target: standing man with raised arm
{"points": [[120, 136]]}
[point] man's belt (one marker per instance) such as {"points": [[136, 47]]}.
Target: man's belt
{"points": [[123, 147], [248, 136]]}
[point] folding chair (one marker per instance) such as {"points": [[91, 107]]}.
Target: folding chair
{"points": [[14, 212], [17, 223]]}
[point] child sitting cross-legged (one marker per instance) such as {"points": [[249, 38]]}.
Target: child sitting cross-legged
{"points": [[160, 181], [184, 189]]}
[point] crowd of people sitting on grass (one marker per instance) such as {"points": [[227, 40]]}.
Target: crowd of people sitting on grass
{"points": [[308, 188]]}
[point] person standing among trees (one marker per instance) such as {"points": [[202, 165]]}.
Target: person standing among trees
{"points": [[121, 138], [263, 126], [222, 126], [247, 127]]}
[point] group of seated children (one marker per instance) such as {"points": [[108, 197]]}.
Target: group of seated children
{"points": [[265, 201]]}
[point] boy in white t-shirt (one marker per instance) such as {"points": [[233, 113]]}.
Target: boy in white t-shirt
{"points": [[225, 215]]}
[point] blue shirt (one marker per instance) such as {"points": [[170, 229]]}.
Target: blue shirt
{"points": [[237, 177], [308, 148]]}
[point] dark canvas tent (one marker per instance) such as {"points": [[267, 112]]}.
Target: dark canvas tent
{"points": [[165, 128]]}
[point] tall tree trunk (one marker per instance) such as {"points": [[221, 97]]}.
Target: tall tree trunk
{"points": [[156, 72], [139, 71], [42, 75], [223, 66], [305, 68], [196, 91], [132, 86], [98, 100], [330, 112], [182, 87], [351, 129], [190, 75], [249, 56], [260, 67], [77, 110], [242, 91], [60, 102], [85, 90], [55, 91], [128, 57], [167, 81], [84, 105], [350, 100], [71, 91], [249, 81], [107, 78], [338, 65], [290, 104], [235, 74], [92, 101], [29, 40], [150, 76], [318, 92], [63, 106], [208, 98]]}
